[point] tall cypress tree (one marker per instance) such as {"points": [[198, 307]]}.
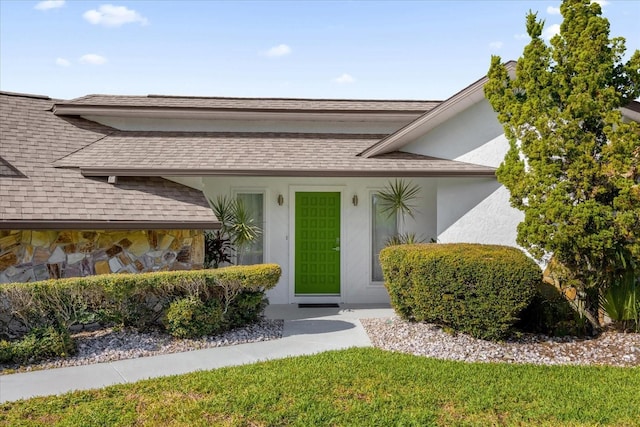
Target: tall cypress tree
{"points": [[572, 166]]}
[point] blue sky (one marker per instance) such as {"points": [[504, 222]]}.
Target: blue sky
{"points": [[300, 49]]}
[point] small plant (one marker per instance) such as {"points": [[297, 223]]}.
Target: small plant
{"points": [[620, 300], [398, 199], [246, 308], [190, 317], [218, 249], [237, 229], [403, 239], [38, 344]]}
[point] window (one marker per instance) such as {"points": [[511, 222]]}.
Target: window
{"points": [[382, 228], [253, 253]]}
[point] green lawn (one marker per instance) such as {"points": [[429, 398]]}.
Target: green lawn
{"points": [[357, 387]]}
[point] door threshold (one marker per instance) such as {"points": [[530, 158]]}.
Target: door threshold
{"points": [[317, 295], [319, 305]]}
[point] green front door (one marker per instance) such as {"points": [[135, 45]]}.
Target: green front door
{"points": [[317, 243]]}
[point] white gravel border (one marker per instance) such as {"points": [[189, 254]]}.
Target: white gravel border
{"points": [[107, 345], [423, 339]]}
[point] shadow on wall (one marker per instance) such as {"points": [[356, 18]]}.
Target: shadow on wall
{"points": [[470, 129], [479, 201]]}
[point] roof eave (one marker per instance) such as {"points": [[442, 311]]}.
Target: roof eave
{"points": [[106, 225], [444, 111], [233, 113], [436, 172]]}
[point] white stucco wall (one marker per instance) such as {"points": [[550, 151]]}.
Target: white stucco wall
{"points": [[473, 136], [474, 210]]}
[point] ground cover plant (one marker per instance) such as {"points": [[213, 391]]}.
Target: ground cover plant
{"points": [[363, 386]]}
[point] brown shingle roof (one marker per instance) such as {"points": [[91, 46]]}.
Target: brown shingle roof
{"points": [[32, 138], [258, 154], [278, 104], [6, 169]]}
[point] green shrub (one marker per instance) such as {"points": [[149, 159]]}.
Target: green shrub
{"points": [[246, 308], [136, 300], [251, 277], [60, 303], [6, 351], [191, 317], [38, 344], [471, 288]]}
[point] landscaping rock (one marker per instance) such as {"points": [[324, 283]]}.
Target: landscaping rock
{"points": [[106, 345], [423, 339]]}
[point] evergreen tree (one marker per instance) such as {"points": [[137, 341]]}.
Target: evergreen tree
{"points": [[572, 166]]}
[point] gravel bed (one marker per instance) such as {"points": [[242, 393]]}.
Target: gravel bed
{"points": [[423, 339], [395, 334], [106, 345]]}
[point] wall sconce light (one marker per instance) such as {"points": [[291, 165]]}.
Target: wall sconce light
{"points": [[354, 200], [280, 199]]}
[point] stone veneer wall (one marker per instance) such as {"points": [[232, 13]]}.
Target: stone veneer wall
{"points": [[30, 255]]}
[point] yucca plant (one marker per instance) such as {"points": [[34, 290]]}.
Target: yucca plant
{"points": [[403, 239], [398, 199], [237, 229], [620, 300], [243, 229]]}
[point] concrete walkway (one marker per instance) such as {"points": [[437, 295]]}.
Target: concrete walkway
{"points": [[306, 331]]}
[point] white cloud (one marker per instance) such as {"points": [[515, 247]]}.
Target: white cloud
{"points": [[113, 16], [553, 10], [344, 79], [521, 36], [496, 45], [278, 51], [93, 59], [551, 31], [49, 4], [63, 62]]}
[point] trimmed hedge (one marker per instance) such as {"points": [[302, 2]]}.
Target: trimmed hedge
{"points": [[471, 288], [133, 300]]}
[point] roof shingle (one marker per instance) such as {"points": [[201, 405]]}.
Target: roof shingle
{"points": [[32, 138], [280, 104], [258, 154]]}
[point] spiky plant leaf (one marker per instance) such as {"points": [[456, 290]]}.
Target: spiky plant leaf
{"points": [[244, 229], [398, 198], [404, 239]]}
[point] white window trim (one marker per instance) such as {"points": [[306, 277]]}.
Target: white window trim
{"points": [[370, 282]]}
